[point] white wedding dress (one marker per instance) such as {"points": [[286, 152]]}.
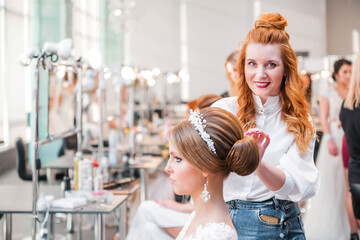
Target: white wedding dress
{"points": [[211, 231], [327, 218]]}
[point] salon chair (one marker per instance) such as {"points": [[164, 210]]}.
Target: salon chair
{"points": [[21, 164], [21, 160]]}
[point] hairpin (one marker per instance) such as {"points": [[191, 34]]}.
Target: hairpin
{"points": [[198, 121]]}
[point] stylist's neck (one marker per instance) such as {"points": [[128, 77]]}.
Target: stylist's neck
{"points": [[263, 100]]}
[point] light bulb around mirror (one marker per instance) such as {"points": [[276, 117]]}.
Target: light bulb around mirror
{"points": [[64, 48], [151, 82], [24, 60], [60, 74], [325, 74], [147, 74], [66, 84], [89, 80], [117, 12], [171, 78], [156, 71], [50, 47], [107, 75], [184, 75], [94, 58], [128, 73], [26, 57]]}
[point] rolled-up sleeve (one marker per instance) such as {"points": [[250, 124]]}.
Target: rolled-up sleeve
{"points": [[302, 177]]}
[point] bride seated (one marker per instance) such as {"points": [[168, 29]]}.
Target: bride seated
{"points": [[203, 151]]}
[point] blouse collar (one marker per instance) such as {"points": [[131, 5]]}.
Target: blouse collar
{"points": [[272, 104]]}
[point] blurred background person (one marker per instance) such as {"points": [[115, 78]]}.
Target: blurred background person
{"points": [[350, 119], [306, 77], [231, 73], [328, 206]]}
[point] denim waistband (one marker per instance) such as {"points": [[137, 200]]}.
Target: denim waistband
{"points": [[272, 202]]}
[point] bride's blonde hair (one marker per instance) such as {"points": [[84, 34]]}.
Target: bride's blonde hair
{"points": [[234, 151]]}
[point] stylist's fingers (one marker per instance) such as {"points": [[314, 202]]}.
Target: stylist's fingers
{"points": [[263, 143], [257, 134], [252, 131], [267, 141]]}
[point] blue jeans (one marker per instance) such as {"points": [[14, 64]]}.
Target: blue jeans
{"points": [[270, 219]]}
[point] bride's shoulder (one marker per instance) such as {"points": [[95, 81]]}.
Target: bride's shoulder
{"points": [[218, 231]]}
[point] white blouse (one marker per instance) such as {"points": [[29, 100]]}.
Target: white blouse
{"points": [[302, 177]]}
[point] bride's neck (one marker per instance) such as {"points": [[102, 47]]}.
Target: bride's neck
{"points": [[207, 211]]}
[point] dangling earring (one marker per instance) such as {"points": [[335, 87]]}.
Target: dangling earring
{"points": [[205, 195], [284, 79]]}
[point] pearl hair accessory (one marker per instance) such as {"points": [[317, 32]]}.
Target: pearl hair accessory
{"points": [[198, 121]]}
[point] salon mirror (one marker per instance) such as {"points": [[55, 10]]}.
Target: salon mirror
{"points": [[62, 100]]}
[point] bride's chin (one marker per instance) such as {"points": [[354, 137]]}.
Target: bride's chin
{"points": [[179, 192]]}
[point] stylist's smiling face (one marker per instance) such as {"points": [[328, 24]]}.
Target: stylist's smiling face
{"points": [[264, 69], [185, 178]]}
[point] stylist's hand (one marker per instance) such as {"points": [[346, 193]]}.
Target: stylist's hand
{"points": [[261, 138], [332, 147]]}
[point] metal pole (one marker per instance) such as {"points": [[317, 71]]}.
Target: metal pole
{"points": [[3, 73], [104, 163], [79, 112], [131, 125], [164, 87], [99, 227], [142, 104], [101, 118], [35, 125], [123, 220], [119, 110], [52, 138], [144, 179], [7, 226]]}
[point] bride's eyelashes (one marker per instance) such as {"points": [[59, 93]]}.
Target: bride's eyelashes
{"points": [[177, 159]]}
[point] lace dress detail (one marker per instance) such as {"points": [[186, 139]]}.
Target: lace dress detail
{"points": [[335, 102], [211, 231]]}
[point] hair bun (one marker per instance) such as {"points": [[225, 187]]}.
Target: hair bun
{"points": [[243, 157], [271, 20]]}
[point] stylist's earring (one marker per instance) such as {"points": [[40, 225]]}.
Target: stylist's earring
{"points": [[205, 195]]}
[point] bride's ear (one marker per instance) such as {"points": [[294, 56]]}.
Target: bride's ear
{"points": [[206, 174]]}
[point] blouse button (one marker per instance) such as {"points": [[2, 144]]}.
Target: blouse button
{"points": [[262, 111], [282, 235]]}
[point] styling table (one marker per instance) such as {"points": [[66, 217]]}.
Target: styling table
{"points": [[143, 163], [19, 200]]}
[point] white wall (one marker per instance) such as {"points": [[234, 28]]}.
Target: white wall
{"points": [[85, 28], [15, 82], [342, 18], [214, 29], [155, 36]]}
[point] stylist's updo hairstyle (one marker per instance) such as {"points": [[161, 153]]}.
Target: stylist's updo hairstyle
{"points": [[234, 151], [270, 29], [337, 65]]}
